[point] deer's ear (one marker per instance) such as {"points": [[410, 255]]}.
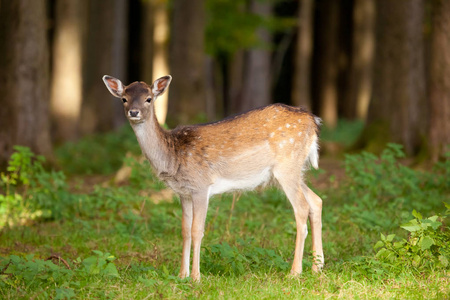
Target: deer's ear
{"points": [[160, 85], [114, 86]]}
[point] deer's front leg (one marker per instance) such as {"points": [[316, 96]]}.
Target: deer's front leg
{"points": [[186, 225], [200, 208]]}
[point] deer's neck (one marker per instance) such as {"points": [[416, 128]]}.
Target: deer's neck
{"points": [[155, 144]]}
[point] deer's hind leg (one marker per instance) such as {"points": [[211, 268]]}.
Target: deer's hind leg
{"points": [[315, 221], [292, 187]]}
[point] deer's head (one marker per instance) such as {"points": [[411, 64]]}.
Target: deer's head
{"points": [[137, 97]]}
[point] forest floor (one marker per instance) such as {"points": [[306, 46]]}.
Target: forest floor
{"points": [[91, 237]]}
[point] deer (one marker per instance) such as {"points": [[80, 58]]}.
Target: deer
{"points": [[272, 144]]}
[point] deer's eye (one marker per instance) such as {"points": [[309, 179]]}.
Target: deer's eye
{"points": [[124, 100], [148, 100]]}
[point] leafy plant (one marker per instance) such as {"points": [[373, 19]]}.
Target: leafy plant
{"points": [[30, 190], [61, 280], [381, 190], [100, 263], [27, 273], [428, 244], [442, 170]]}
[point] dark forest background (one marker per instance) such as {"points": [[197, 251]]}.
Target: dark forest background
{"points": [[383, 62]]}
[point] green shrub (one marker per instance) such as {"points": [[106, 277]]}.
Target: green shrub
{"points": [[381, 191], [30, 190], [58, 281], [427, 247]]}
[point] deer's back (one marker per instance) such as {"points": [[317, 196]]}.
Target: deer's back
{"points": [[245, 148]]}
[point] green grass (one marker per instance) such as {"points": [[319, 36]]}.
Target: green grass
{"points": [[121, 244], [147, 245]]}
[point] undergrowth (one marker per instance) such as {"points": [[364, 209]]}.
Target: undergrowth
{"points": [[115, 242], [382, 191], [97, 154]]}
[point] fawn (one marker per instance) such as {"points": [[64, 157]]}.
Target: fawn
{"points": [[272, 143]]}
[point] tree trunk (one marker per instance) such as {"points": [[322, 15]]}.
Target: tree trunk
{"points": [[106, 55], [301, 87], [214, 101], [67, 87], [257, 81], [235, 82], [161, 55], [362, 57], [398, 105], [439, 80], [187, 98], [147, 41], [328, 63], [346, 107], [24, 79]]}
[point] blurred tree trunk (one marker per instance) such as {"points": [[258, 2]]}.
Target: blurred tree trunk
{"points": [[440, 80], [362, 58], [257, 79], [301, 87], [398, 112], [187, 98], [235, 80], [214, 100], [24, 79], [161, 54], [346, 107], [328, 62], [106, 55], [147, 40], [67, 87]]}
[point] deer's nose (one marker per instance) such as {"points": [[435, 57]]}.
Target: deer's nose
{"points": [[133, 113]]}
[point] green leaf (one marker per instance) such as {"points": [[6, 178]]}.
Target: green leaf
{"points": [[444, 260], [416, 260], [147, 282], [435, 225], [379, 244], [64, 293], [383, 253], [165, 270], [417, 214], [399, 245], [110, 270], [390, 237], [411, 226], [433, 218], [426, 242], [99, 253]]}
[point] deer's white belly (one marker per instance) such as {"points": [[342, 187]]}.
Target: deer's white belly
{"points": [[223, 185]]}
